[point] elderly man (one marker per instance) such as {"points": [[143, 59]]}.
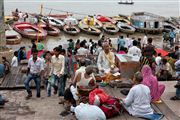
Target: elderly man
{"points": [[106, 62]]}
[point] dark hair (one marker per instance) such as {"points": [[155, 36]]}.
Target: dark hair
{"points": [[164, 60], [46, 53], [90, 40], [127, 35], [16, 53], [82, 44], [70, 40], [82, 62], [150, 40], [135, 43], [138, 77], [139, 39], [100, 43], [122, 37], [159, 54], [60, 47], [176, 47], [63, 51], [32, 40], [4, 58], [57, 49]]}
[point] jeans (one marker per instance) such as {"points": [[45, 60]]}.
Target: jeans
{"points": [[61, 85], [51, 83], [37, 81], [171, 40], [178, 92]]}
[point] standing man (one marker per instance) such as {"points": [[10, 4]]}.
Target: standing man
{"points": [[35, 70], [14, 62], [144, 41], [58, 62], [121, 42], [171, 37]]}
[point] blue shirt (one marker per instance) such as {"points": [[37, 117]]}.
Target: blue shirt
{"points": [[171, 34], [121, 42]]}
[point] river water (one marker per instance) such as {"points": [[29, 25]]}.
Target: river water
{"points": [[89, 7]]}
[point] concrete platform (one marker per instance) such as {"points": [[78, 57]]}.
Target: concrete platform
{"points": [[47, 108]]}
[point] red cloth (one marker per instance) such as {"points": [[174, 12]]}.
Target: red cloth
{"points": [[39, 53], [100, 93], [163, 52]]}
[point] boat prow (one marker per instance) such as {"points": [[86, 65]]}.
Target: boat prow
{"points": [[125, 28], [110, 28], [71, 30]]}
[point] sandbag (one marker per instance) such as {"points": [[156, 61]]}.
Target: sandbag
{"points": [[89, 112], [93, 96]]}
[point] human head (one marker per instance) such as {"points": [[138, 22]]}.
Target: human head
{"points": [[16, 53], [90, 40], [78, 41], [137, 78], [139, 39], [4, 59], [127, 36], [164, 61], [89, 70], [134, 43], [100, 43], [35, 53], [159, 54], [146, 71], [109, 40], [106, 47], [56, 51], [70, 40], [47, 55], [82, 44], [176, 48], [82, 62], [63, 52], [122, 37], [150, 40], [32, 41], [60, 47]]}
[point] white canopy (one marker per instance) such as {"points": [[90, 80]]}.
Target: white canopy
{"points": [[70, 20]]}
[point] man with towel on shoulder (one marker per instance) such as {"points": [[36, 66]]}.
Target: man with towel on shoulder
{"points": [[106, 63]]}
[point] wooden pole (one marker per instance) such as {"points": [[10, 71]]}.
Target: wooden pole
{"points": [[2, 25], [41, 9]]}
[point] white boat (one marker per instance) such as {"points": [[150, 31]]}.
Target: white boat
{"points": [[125, 28], [54, 22], [12, 37]]}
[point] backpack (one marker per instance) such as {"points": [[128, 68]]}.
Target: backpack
{"points": [[112, 107]]}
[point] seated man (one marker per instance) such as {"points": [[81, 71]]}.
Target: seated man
{"points": [[138, 100], [106, 63]]}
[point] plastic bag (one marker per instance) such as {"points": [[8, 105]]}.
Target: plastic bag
{"points": [[89, 112]]}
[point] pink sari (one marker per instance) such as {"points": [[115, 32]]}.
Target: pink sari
{"points": [[151, 81]]}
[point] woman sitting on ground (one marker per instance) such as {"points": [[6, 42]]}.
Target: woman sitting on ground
{"points": [[137, 102], [151, 81]]}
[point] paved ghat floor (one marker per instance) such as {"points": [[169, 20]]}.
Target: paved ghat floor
{"points": [[47, 108]]}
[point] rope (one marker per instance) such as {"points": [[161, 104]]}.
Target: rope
{"points": [[64, 11]]}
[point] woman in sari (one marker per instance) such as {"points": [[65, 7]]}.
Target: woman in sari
{"points": [[151, 81]]}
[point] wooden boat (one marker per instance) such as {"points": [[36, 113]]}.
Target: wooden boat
{"points": [[12, 37], [105, 19], [125, 28], [96, 23], [110, 28], [54, 22], [126, 2], [30, 31], [121, 19], [9, 19], [51, 30], [147, 22], [71, 21], [71, 30], [60, 16], [89, 29], [167, 27]]}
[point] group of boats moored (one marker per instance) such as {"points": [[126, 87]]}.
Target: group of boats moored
{"points": [[39, 26]]}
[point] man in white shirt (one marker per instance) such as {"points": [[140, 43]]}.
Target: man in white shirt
{"points": [[82, 50], [14, 62], [158, 59], [134, 50], [35, 70], [128, 42], [58, 62], [138, 100], [144, 41]]}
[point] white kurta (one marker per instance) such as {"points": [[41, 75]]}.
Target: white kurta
{"points": [[137, 102]]}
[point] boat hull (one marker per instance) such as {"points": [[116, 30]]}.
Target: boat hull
{"points": [[110, 28], [125, 28], [30, 31], [89, 29], [73, 30]]}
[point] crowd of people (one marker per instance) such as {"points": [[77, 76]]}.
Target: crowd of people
{"points": [[57, 66]]}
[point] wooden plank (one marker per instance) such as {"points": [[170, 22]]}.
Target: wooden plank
{"points": [[169, 114], [157, 110]]}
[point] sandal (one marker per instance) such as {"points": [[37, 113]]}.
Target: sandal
{"points": [[175, 98]]}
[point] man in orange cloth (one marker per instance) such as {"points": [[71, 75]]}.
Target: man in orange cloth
{"points": [[106, 64]]}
